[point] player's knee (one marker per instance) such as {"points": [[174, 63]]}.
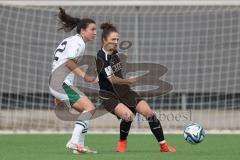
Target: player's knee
{"points": [[89, 108], [128, 116], [148, 114]]}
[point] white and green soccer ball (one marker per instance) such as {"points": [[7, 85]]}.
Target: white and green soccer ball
{"points": [[194, 133]]}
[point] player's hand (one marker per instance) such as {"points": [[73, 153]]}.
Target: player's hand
{"points": [[57, 102], [88, 78], [132, 80], [96, 80]]}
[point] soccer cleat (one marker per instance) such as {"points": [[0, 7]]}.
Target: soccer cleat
{"points": [[76, 147], [122, 146], [167, 148], [88, 151]]}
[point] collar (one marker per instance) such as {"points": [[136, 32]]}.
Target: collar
{"points": [[106, 54], [81, 38]]}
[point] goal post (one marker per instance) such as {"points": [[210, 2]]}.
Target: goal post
{"points": [[122, 3]]}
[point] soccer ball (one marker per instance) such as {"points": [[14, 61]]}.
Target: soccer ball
{"points": [[194, 133]]}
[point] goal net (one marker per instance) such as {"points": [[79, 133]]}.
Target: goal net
{"points": [[199, 46]]}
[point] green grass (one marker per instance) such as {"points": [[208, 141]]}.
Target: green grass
{"points": [[140, 147]]}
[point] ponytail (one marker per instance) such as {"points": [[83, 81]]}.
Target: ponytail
{"points": [[68, 22]]}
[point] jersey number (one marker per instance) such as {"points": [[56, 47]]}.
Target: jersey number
{"points": [[63, 44]]}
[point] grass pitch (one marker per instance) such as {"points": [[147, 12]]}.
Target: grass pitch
{"points": [[140, 147]]}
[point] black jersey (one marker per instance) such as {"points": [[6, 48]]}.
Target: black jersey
{"points": [[107, 66]]}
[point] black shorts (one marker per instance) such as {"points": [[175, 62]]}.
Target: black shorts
{"points": [[110, 100]]}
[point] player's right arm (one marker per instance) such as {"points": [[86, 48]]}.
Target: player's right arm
{"points": [[117, 80], [74, 68], [77, 71], [107, 71]]}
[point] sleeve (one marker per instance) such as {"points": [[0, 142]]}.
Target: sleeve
{"points": [[108, 71], [72, 51]]}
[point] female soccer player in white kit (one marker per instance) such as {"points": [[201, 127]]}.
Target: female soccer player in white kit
{"points": [[65, 67]]}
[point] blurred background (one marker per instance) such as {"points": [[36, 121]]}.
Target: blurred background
{"points": [[197, 41]]}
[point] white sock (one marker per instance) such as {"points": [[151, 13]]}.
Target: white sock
{"points": [[77, 131], [83, 133], [82, 139], [162, 142]]}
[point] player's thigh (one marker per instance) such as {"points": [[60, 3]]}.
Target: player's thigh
{"points": [[77, 99], [144, 109], [84, 104], [131, 99], [123, 112], [112, 104]]}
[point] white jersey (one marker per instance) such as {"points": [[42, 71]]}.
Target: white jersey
{"points": [[70, 48]]}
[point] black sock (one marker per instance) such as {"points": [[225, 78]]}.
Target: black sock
{"points": [[124, 129], [156, 128]]}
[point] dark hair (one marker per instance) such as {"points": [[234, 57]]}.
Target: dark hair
{"points": [[107, 29], [68, 22]]}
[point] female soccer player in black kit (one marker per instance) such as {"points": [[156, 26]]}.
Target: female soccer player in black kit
{"points": [[116, 94]]}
